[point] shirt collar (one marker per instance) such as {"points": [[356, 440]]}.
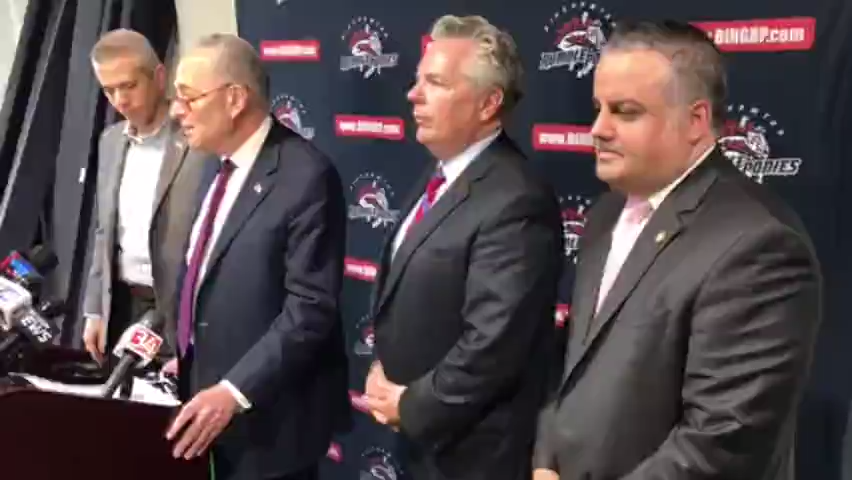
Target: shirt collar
{"points": [[130, 133], [657, 199], [245, 156], [454, 167]]}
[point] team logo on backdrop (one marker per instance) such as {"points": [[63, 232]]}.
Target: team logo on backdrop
{"points": [[574, 223], [372, 195], [747, 141], [364, 38], [378, 463], [366, 337], [291, 112], [578, 32]]}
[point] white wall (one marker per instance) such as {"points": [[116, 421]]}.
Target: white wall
{"points": [[11, 17], [197, 18]]}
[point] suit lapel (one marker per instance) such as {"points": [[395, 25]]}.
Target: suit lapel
{"points": [[119, 153], [596, 245], [418, 233], [257, 186], [446, 204], [666, 224], [387, 246], [173, 158]]}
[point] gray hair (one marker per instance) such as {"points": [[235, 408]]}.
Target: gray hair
{"points": [[237, 61], [698, 66], [500, 65], [124, 43]]}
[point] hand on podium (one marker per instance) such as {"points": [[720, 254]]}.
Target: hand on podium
{"points": [[205, 416]]}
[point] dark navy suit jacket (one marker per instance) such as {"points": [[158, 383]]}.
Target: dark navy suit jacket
{"points": [[267, 316]]}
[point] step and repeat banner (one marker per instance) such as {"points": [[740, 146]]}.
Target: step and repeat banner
{"points": [[340, 71]]}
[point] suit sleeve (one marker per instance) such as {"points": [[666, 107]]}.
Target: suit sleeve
{"points": [[544, 452], [544, 455], [94, 281], [753, 330], [512, 277], [314, 268]]}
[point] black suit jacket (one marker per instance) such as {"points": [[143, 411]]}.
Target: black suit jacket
{"points": [[464, 317], [694, 366], [267, 315]]}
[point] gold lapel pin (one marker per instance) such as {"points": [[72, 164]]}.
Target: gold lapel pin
{"points": [[661, 237]]}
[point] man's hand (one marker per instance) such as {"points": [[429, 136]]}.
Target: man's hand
{"points": [[374, 376], [382, 396], [170, 367], [94, 338], [205, 416], [544, 474]]}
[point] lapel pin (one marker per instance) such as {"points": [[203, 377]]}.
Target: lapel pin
{"points": [[257, 188], [661, 237]]}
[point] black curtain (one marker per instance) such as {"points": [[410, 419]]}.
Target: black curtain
{"points": [[825, 438], [50, 124]]}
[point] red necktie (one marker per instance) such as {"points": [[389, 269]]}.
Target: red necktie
{"points": [[435, 183], [190, 280]]}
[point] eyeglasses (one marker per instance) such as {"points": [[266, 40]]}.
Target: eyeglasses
{"points": [[187, 102]]}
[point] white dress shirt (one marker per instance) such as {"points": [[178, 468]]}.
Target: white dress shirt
{"points": [[452, 170], [243, 159], [136, 192]]}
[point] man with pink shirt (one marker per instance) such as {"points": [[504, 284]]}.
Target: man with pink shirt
{"points": [[697, 296]]}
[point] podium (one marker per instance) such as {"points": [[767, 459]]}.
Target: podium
{"points": [[54, 436]]}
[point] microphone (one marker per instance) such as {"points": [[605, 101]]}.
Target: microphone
{"points": [[137, 347], [20, 319], [27, 270]]}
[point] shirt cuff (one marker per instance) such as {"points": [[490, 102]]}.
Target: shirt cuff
{"points": [[241, 399]]}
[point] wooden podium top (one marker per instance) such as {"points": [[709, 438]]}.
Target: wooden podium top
{"points": [[46, 435]]}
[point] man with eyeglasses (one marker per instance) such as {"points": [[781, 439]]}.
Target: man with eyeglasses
{"points": [[133, 184], [262, 365]]}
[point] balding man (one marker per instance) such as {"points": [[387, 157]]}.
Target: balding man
{"points": [[134, 182], [261, 355]]}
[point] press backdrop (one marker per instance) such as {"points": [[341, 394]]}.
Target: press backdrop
{"points": [[340, 70]]}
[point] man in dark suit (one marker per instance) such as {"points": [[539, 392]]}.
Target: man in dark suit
{"points": [[259, 332], [135, 178], [697, 297], [464, 306]]}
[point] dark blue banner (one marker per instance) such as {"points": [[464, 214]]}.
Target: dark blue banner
{"points": [[341, 69]]}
